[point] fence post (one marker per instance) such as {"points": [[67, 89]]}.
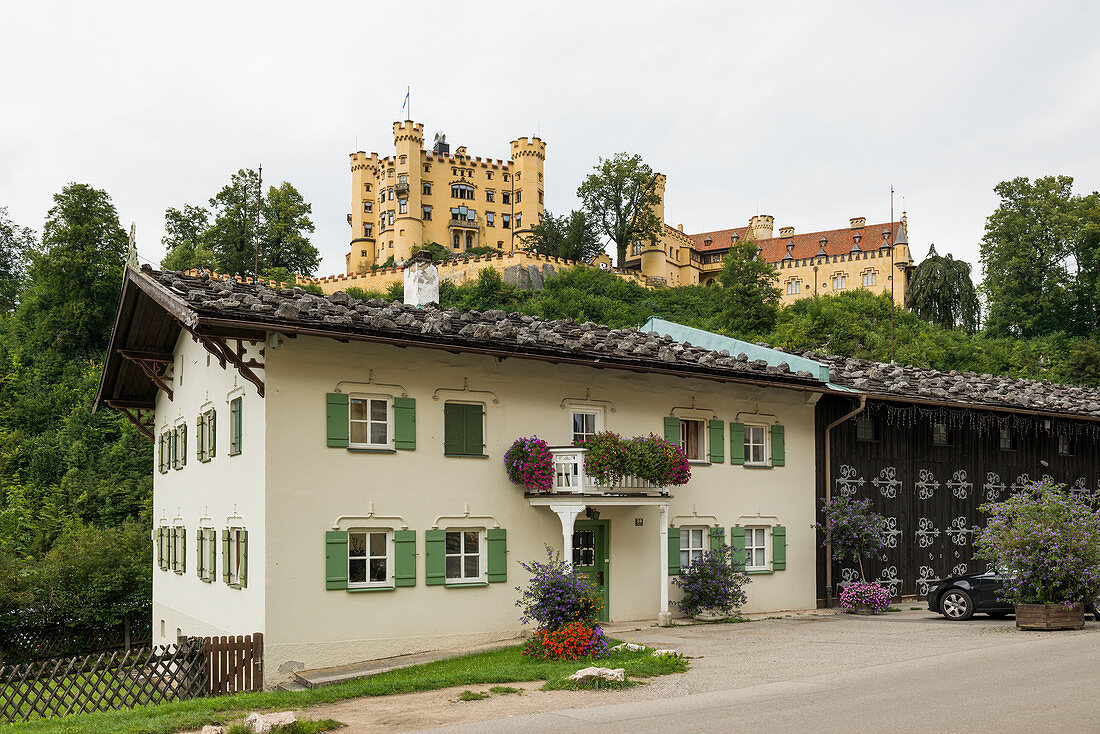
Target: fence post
{"points": [[126, 631]]}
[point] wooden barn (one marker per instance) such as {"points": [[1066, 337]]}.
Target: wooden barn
{"points": [[930, 448]]}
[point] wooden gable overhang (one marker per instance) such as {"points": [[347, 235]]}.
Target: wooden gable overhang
{"points": [[141, 351]]}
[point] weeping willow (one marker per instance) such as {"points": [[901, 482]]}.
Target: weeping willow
{"points": [[942, 293]]}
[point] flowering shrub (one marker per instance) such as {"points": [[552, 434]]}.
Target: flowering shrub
{"points": [[557, 595], [655, 459], [573, 641], [529, 463], [863, 594], [712, 582], [1048, 542], [855, 531], [606, 459]]}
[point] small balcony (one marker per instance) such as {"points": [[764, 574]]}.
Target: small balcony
{"points": [[402, 189], [570, 477], [465, 223]]}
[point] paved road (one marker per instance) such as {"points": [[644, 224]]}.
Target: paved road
{"points": [[908, 672]]}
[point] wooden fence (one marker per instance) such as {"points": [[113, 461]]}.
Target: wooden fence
{"points": [[234, 664], [193, 667], [24, 641], [121, 679]]}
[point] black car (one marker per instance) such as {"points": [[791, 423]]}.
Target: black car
{"points": [[958, 597]]}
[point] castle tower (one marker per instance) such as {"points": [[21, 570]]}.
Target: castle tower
{"points": [[364, 215], [761, 227], [528, 158], [403, 175], [659, 188]]}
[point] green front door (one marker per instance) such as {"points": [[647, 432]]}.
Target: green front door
{"points": [[590, 556]]}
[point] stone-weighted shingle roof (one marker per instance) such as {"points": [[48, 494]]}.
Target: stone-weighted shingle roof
{"points": [[211, 298], [992, 391]]}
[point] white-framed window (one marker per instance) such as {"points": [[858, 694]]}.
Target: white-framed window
{"points": [[463, 551], [235, 559], [585, 422], [368, 207], [370, 558], [369, 422], [693, 438], [403, 206], [368, 230], [693, 543], [756, 445], [870, 278], [756, 551]]}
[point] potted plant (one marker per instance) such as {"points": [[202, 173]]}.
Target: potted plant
{"points": [[657, 461], [1047, 542], [565, 606], [606, 458], [713, 586], [855, 532]]}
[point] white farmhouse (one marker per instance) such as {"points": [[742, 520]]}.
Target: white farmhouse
{"points": [[330, 471]]}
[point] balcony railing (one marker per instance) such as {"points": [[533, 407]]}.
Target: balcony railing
{"points": [[466, 223], [402, 189], [570, 477]]}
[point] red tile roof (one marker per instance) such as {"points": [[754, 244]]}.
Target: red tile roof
{"points": [[805, 245]]}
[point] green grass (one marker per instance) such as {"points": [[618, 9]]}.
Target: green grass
{"points": [[504, 690], [468, 695], [497, 666], [893, 609], [302, 726], [914, 609]]}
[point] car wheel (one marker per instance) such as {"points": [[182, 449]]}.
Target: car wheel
{"points": [[956, 605]]}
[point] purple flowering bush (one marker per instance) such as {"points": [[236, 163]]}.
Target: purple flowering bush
{"points": [[557, 594], [863, 594], [1047, 541], [854, 530], [713, 582], [529, 463]]}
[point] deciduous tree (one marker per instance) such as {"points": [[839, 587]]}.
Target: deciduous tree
{"points": [[16, 245], [749, 291], [572, 237], [620, 197], [185, 237]]}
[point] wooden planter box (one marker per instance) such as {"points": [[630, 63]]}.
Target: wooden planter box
{"points": [[1050, 616]]}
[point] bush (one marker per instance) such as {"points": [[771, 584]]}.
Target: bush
{"points": [[865, 594], [557, 595], [854, 530], [1047, 541], [606, 460], [528, 462], [712, 582], [658, 461], [574, 641]]}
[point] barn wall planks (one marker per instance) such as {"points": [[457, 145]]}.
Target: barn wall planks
{"points": [[931, 494]]}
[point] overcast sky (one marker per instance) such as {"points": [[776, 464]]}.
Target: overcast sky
{"points": [[806, 111]]}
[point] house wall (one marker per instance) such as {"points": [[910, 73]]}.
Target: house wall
{"points": [[226, 491], [931, 494], [311, 485]]}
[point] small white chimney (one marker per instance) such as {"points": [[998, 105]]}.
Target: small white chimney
{"points": [[421, 280]]}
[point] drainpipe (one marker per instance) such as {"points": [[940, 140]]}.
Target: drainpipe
{"points": [[829, 494]]}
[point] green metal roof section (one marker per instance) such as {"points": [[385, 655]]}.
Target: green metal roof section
{"points": [[717, 342]]}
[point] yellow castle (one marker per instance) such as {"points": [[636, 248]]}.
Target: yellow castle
{"points": [[415, 197]]}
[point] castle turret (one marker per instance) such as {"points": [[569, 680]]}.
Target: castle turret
{"points": [[659, 189], [761, 227], [403, 175], [363, 217], [528, 158]]}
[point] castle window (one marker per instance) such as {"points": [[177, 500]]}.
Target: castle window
{"points": [[427, 213], [505, 197], [734, 238], [707, 241], [469, 241], [403, 206], [506, 177], [456, 241], [391, 217], [840, 281], [427, 168], [391, 194], [367, 187], [540, 197], [505, 221], [389, 173], [794, 287], [490, 219], [462, 191], [368, 206], [454, 171], [403, 160], [519, 196], [870, 278], [540, 176], [363, 253], [489, 193], [368, 230], [427, 188], [489, 175], [518, 218], [403, 178]]}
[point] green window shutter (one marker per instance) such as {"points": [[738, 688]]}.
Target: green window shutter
{"points": [[198, 438], [183, 550], [336, 559], [737, 443], [717, 442], [779, 548], [404, 558], [336, 419], [404, 423], [212, 547], [160, 548], [672, 432], [497, 565], [212, 432], [198, 553], [475, 430], [433, 558], [242, 572], [183, 444], [717, 537], [236, 425], [779, 449], [674, 551], [225, 556], [172, 442], [737, 540], [454, 428], [160, 454]]}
